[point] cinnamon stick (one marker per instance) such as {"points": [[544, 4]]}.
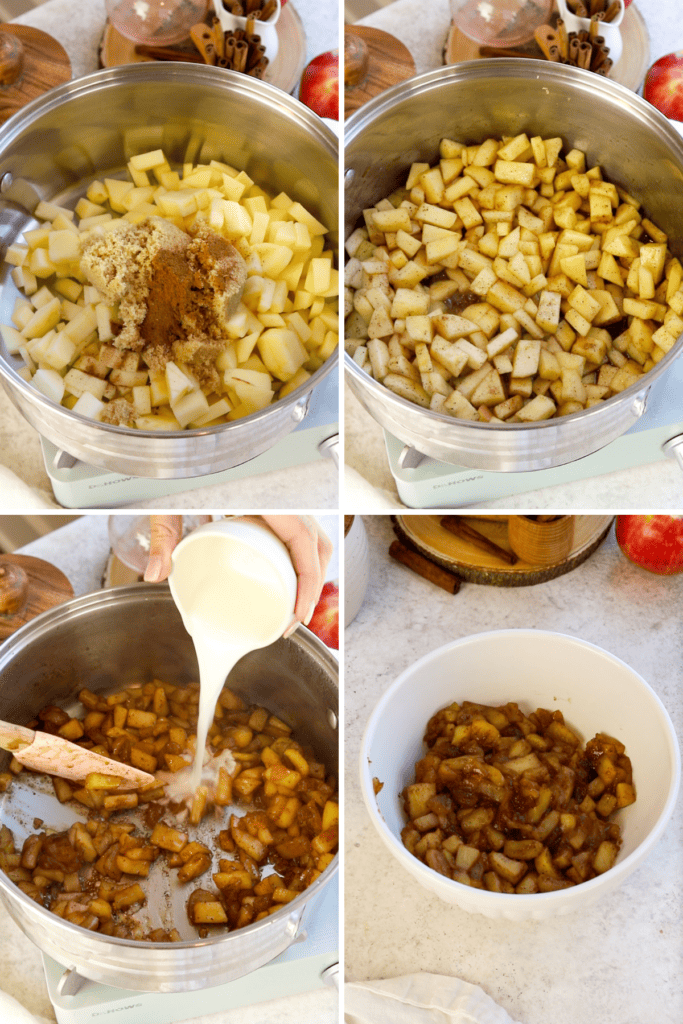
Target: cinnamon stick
{"points": [[240, 57], [456, 526], [442, 578], [168, 53], [500, 51], [562, 38]]}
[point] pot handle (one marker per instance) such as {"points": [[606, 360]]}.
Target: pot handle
{"points": [[329, 448], [673, 448]]}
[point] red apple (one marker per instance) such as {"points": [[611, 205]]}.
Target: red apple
{"points": [[325, 620], [653, 542], [319, 87], [664, 85]]}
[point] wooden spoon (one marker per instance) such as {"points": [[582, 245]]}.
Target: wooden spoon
{"points": [[45, 752]]}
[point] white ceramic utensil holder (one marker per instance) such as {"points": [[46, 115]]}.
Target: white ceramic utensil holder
{"points": [[609, 30], [265, 29]]}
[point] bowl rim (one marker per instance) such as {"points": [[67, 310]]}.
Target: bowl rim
{"points": [[528, 903]]}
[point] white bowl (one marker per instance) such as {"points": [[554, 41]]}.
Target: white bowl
{"points": [[356, 569], [595, 691]]}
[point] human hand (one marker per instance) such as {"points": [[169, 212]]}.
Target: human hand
{"points": [[310, 550], [309, 547], [165, 534]]}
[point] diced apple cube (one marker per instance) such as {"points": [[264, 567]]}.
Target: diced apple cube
{"points": [[300, 214], [40, 263], [178, 383], [163, 420], [129, 378], [63, 223], [49, 383], [48, 211], [103, 316], [236, 220], [142, 399], [158, 385], [60, 352], [16, 254], [82, 325], [148, 161], [189, 406], [77, 382], [24, 279], [12, 338], [116, 191], [220, 408], [300, 377], [97, 192], [43, 320], [88, 405], [282, 352]]}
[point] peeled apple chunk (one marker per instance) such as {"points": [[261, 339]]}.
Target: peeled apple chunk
{"points": [[282, 352], [75, 340]]}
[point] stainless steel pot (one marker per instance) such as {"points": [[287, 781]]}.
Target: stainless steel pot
{"points": [[114, 637], [634, 144], [90, 127]]}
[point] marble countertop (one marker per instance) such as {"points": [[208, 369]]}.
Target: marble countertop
{"points": [[81, 550], [617, 962], [660, 481], [19, 442]]}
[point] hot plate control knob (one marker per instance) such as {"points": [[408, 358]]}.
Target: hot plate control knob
{"points": [[410, 458], [329, 448], [673, 449], [330, 976]]}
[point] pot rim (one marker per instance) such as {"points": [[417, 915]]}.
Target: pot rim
{"points": [[42, 625], [147, 72], [508, 67], [634, 391]]}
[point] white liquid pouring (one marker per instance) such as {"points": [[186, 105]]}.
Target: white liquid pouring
{"points": [[235, 588]]}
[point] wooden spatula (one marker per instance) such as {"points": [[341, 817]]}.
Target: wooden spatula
{"points": [[44, 752]]}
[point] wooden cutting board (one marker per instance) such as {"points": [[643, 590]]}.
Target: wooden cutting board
{"points": [[476, 566], [28, 586], [373, 62], [31, 63]]}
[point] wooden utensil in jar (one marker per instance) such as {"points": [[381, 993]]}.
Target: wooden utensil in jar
{"points": [[28, 586], [541, 539], [31, 62]]}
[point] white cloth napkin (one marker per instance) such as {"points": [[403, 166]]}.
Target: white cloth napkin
{"points": [[420, 999], [12, 1012], [361, 495], [15, 494]]}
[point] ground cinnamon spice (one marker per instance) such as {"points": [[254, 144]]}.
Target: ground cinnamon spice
{"points": [[169, 298], [175, 290]]}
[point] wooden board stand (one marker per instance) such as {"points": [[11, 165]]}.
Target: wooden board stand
{"points": [[426, 534], [31, 63]]}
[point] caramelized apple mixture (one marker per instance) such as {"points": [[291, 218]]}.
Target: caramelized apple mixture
{"points": [[93, 874], [514, 803]]}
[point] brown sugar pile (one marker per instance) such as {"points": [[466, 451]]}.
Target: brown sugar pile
{"points": [[175, 291]]}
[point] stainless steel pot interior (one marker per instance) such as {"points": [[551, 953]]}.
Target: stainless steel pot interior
{"points": [[104, 641], [632, 142], [88, 128]]}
